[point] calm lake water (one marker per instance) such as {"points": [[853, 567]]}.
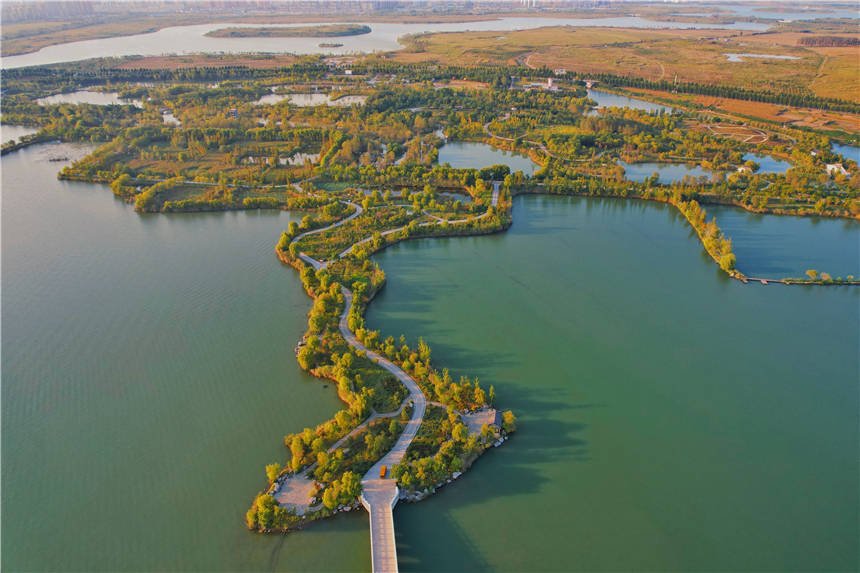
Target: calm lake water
{"points": [[666, 172], [307, 100], [14, 132], [792, 13], [469, 154], [741, 57], [148, 377], [671, 419], [780, 247], [768, 163], [846, 151], [88, 96], [383, 37], [607, 99]]}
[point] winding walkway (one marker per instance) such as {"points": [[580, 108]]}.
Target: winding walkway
{"points": [[536, 144], [379, 492], [437, 221]]}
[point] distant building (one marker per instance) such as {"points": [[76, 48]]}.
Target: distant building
{"points": [[234, 113], [560, 71], [836, 169], [744, 169]]}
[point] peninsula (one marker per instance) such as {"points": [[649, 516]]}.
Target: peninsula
{"points": [[369, 175]]}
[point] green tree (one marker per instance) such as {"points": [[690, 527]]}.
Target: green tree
{"points": [[460, 432], [509, 422], [727, 262], [272, 471], [297, 449]]}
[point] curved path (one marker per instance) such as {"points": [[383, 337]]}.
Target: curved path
{"points": [[379, 494], [536, 144], [379, 491], [437, 221], [317, 265]]}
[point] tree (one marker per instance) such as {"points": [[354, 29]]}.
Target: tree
{"points": [[297, 449], [509, 422], [492, 397], [272, 471], [266, 511], [727, 262], [329, 497], [813, 274], [460, 432]]}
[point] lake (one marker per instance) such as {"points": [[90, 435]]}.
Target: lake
{"points": [[740, 57], [751, 11], [783, 246], [148, 377], [383, 37], [88, 96], [666, 172], [768, 163], [846, 151], [607, 99], [309, 100], [671, 419], [469, 154], [14, 132]]}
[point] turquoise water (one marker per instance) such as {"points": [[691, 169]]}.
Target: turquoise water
{"points": [[148, 376], [671, 419], [468, 154], [780, 246], [666, 172]]}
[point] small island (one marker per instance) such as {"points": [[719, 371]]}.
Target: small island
{"points": [[330, 45], [324, 31]]}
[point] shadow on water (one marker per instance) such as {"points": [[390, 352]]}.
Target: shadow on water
{"points": [[513, 470], [456, 550]]}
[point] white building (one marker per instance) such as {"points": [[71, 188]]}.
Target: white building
{"points": [[835, 169]]}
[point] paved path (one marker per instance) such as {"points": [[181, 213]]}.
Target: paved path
{"points": [[537, 144], [317, 265], [436, 221], [379, 494]]}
